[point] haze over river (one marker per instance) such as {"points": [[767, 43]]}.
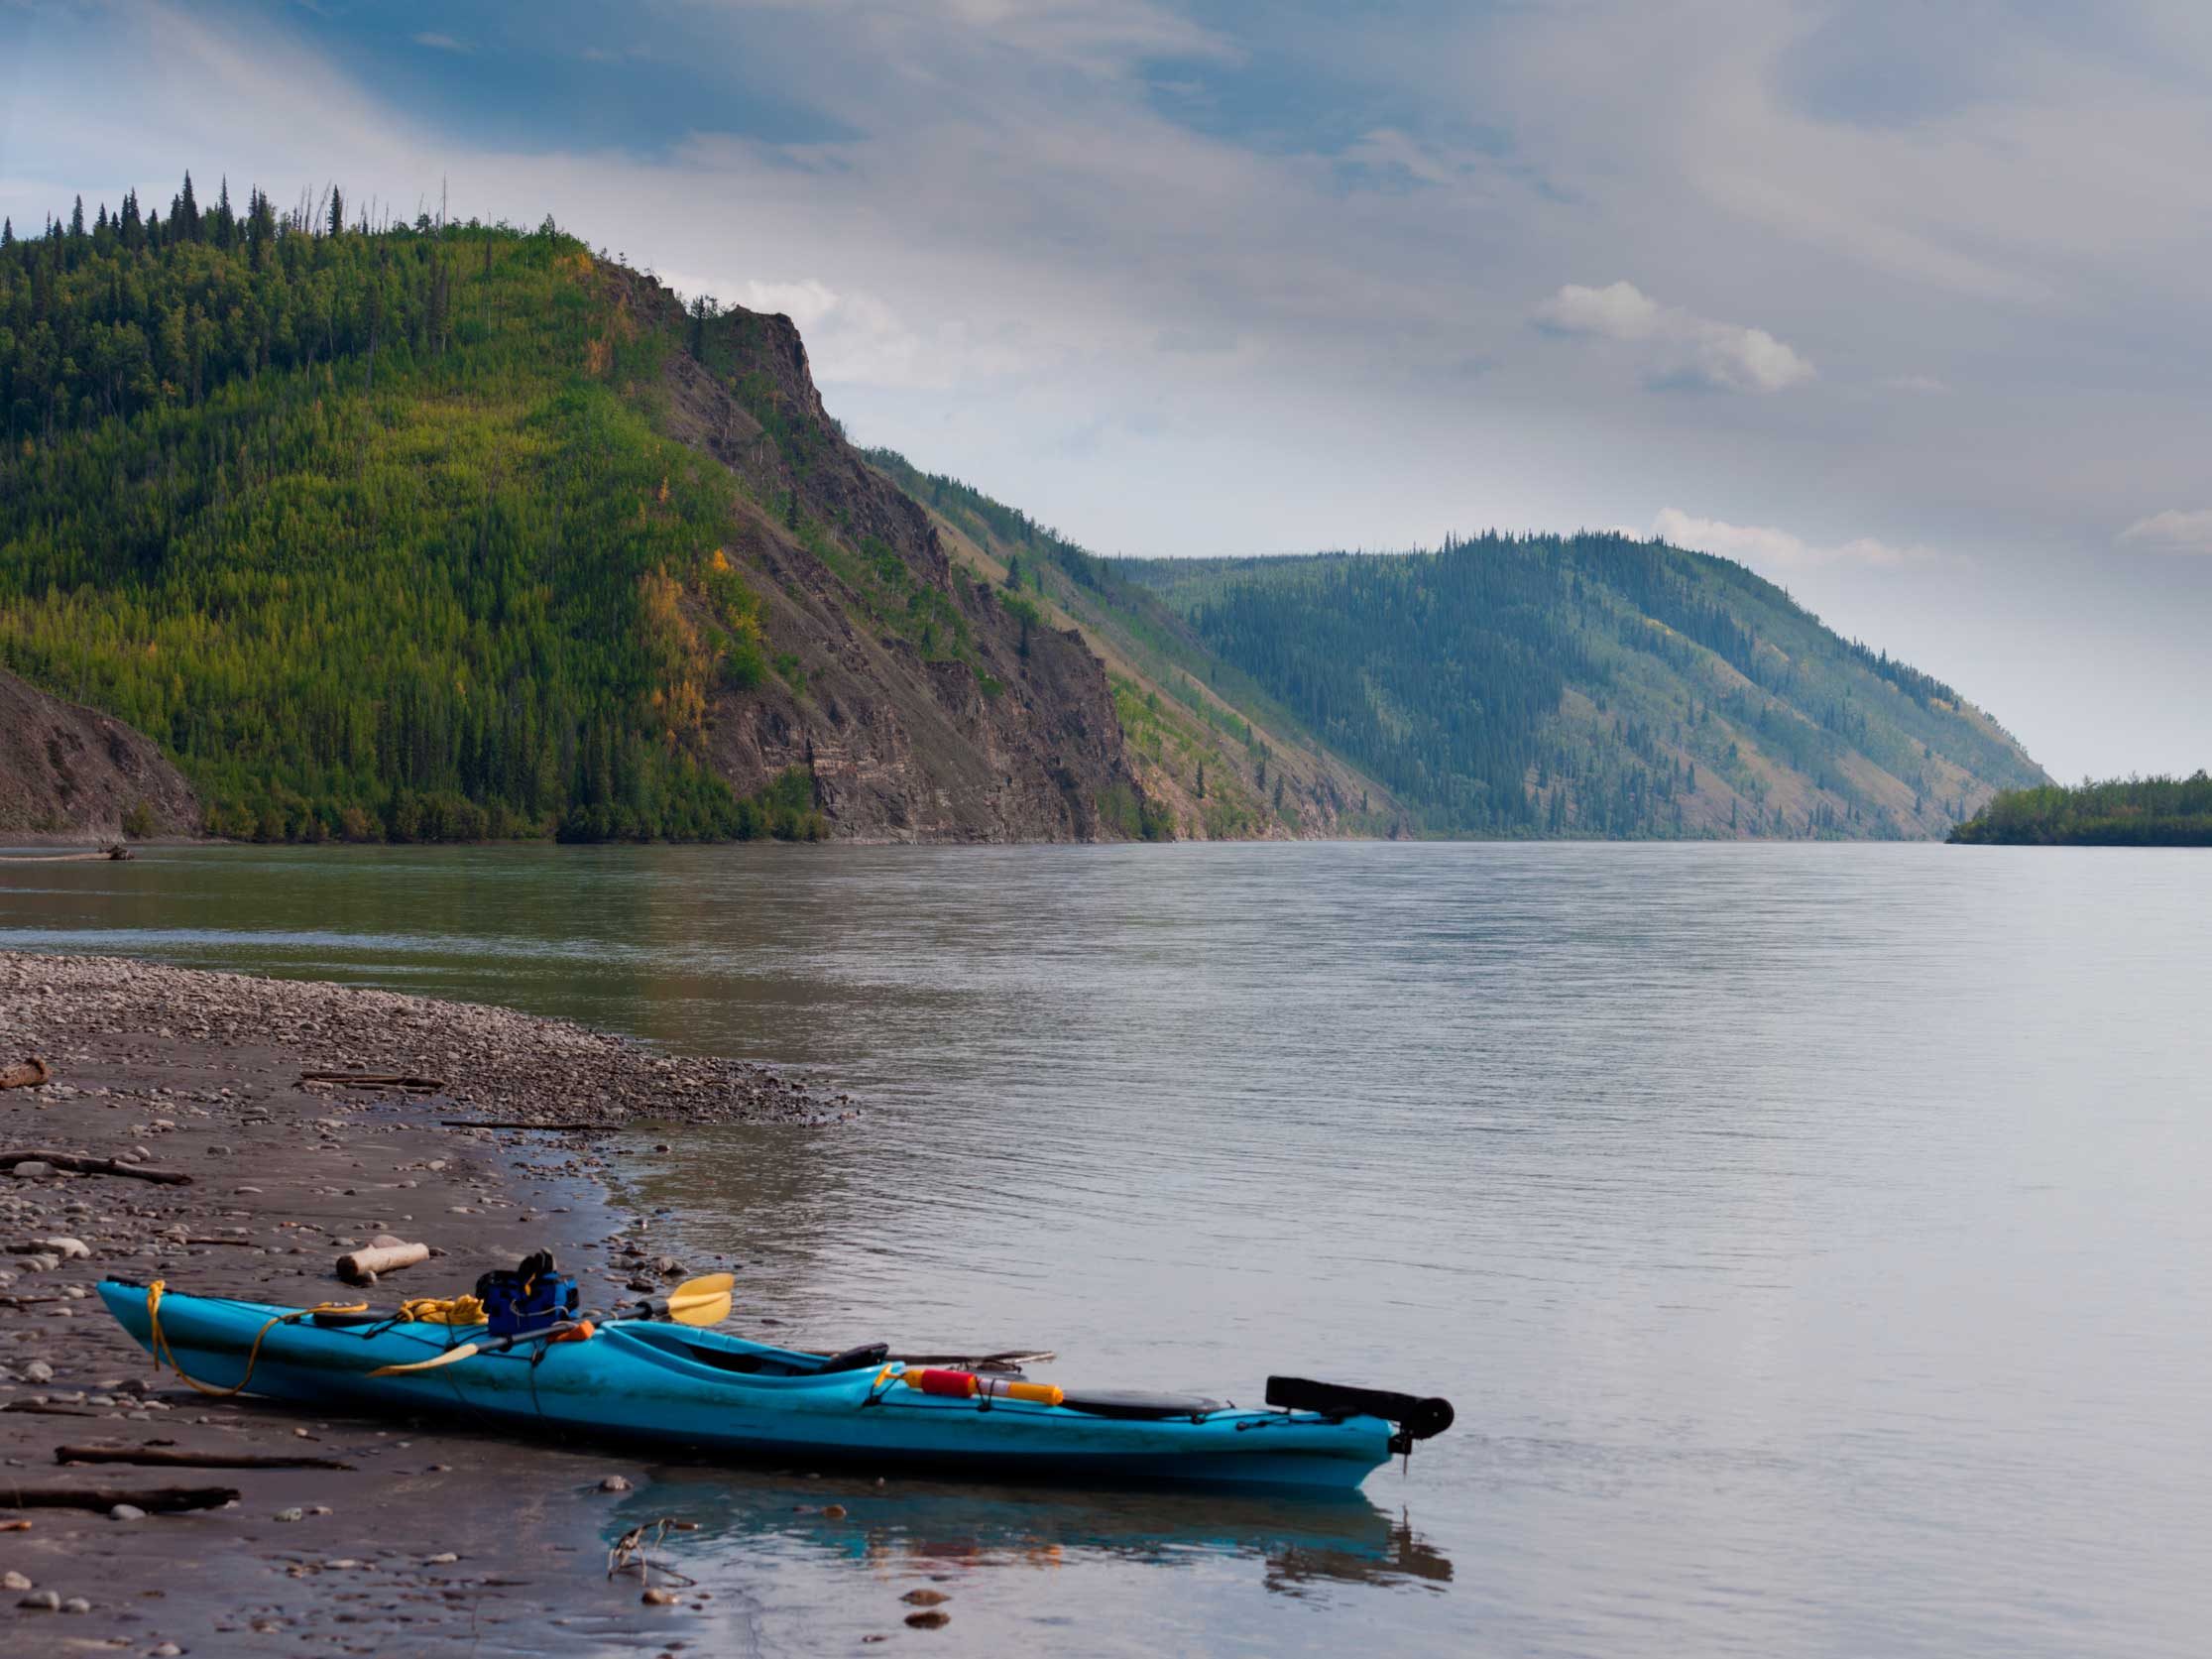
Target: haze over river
{"points": [[1814, 1238]]}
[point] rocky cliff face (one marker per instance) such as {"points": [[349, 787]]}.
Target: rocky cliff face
{"points": [[70, 772], [923, 707]]}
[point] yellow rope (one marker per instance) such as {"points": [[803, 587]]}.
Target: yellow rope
{"points": [[158, 1344]]}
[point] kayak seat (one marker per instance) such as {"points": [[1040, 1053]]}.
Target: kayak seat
{"points": [[1131, 1405]]}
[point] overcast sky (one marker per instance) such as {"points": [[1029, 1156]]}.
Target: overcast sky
{"points": [[1908, 306]]}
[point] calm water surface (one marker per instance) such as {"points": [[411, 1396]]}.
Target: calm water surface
{"points": [[1814, 1239]]}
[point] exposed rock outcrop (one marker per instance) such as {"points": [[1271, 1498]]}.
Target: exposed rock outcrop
{"points": [[922, 707], [70, 771]]}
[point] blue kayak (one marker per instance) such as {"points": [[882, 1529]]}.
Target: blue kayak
{"points": [[711, 1393]]}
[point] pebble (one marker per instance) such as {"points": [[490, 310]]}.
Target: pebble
{"points": [[926, 1598], [164, 1650], [289, 1515], [37, 1370], [12, 1580], [614, 1484], [658, 1598], [77, 1604], [447, 1559], [31, 1168], [48, 1601], [935, 1619], [126, 1512]]}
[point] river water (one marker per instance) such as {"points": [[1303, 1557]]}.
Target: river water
{"points": [[1814, 1238]]}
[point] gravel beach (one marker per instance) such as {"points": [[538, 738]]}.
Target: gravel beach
{"points": [[437, 1539]]}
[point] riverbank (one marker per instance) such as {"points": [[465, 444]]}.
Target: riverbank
{"points": [[435, 1537]]}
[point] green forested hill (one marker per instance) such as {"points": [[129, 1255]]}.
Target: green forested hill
{"points": [[1218, 758], [360, 527], [2124, 812], [1584, 686], [1594, 685]]}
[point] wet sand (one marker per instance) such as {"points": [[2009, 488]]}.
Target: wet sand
{"points": [[438, 1539]]}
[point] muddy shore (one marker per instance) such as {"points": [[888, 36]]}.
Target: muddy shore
{"points": [[437, 1539]]}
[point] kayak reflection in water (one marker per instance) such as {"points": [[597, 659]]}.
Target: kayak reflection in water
{"points": [[1304, 1541]]}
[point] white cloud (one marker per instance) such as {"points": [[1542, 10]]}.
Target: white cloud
{"points": [[1763, 546], [1683, 348], [2172, 532]]}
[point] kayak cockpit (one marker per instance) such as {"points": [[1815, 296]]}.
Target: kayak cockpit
{"points": [[749, 1359]]}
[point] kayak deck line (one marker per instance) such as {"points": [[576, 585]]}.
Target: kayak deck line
{"points": [[725, 1395]]}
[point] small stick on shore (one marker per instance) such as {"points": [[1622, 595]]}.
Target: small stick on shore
{"points": [[549, 1129], [154, 1500], [170, 1457], [376, 1080], [77, 1163]]}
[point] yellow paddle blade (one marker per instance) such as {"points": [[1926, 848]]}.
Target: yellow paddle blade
{"points": [[702, 1301], [430, 1364]]}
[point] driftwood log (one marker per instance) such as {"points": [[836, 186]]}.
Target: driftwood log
{"points": [[78, 1164], [154, 1500], [375, 1080], [27, 1073], [363, 1267], [170, 1457]]}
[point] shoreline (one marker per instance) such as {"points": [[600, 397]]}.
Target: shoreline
{"points": [[437, 1535]]}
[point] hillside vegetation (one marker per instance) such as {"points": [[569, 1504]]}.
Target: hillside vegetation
{"points": [[336, 518], [1217, 756], [446, 531], [1593, 685], [2124, 812]]}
